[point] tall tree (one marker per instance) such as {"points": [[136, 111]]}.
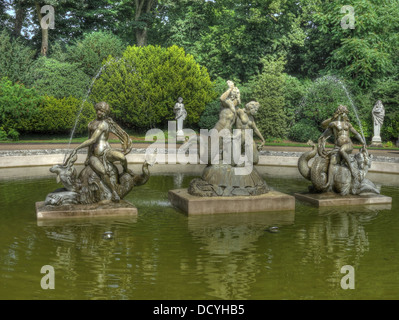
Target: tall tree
{"points": [[362, 53], [142, 19]]}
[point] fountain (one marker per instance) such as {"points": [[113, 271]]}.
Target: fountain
{"points": [[337, 177], [103, 67], [230, 183], [100, 187]]}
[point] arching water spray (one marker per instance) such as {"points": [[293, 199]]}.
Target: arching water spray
{"points": [[338, 81], [85, 99], [335, 80]]}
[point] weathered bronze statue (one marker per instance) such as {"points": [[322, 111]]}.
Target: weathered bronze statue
{"points": [[225, 177], [100, 180], [337, 170]]}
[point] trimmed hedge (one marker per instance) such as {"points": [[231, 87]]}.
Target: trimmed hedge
{"points": [[143, 87], [59, 116]]}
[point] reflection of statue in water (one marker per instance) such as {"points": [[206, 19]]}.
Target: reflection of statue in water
{"points": [[181, 115], [222, 179], [336, 170], [378, 119], [100, 179]]}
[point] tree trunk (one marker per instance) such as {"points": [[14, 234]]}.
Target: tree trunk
{"points": [[20, 13], [44, 47], [142, 7], [141, 37]]}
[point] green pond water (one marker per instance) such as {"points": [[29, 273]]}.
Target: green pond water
{"points": [[164, 254]]}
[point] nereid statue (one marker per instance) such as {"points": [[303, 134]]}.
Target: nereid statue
{"points": [[337, 170], [100, 179]]}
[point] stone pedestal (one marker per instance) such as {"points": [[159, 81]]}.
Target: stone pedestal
{"points": [[332, 199], [122, 208], [376, 142], [192, 205], [180, 136]]}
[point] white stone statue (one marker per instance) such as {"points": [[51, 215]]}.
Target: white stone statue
{"points": [[181, 115], [378, 119]]}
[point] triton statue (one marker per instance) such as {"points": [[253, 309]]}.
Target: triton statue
{"points": [[337, 170]]}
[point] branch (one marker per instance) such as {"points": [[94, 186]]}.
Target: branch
{"points": [[139, 8]]}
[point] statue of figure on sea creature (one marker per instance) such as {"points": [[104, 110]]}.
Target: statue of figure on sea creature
{"points": [[337, 170], [100, 179]]}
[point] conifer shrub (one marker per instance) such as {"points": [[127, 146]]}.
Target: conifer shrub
{"points": [[143, 86]]}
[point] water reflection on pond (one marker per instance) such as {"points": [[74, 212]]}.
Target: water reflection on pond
{"points": [[163, 254]]}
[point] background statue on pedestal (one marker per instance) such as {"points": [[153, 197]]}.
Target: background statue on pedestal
{"points": [[100, 180], [378, 113], [181, 115], [336, 170]]}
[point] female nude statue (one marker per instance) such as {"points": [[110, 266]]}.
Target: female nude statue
{"points": [[340, 127], [100, 154]]}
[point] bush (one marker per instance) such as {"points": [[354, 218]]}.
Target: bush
{"points": [[269, 92], [58, 79], [142, 87], [17, 104], [294, 90], [304, 130], [89, 52], [3, 134], [13, 134], [59, 116], [16, 58]]}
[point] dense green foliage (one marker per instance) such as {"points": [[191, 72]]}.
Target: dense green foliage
{"points": [[143, 87], [15, 58], [17, 103], [89, 53], [58, 79], [269, 92], [240, 40], [59, 116]]}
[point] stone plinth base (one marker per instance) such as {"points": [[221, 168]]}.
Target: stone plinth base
{"points": [[122, 208], [271, 201], [376, 142], [376, 145], [332, 199]]}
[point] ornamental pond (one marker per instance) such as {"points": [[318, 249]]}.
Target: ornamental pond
{"points": [[164, 254]]}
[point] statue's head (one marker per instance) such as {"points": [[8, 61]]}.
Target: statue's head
{"points": [[102, 109], [180, 100], [342, 111], [252, 107], [378, 105]]}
